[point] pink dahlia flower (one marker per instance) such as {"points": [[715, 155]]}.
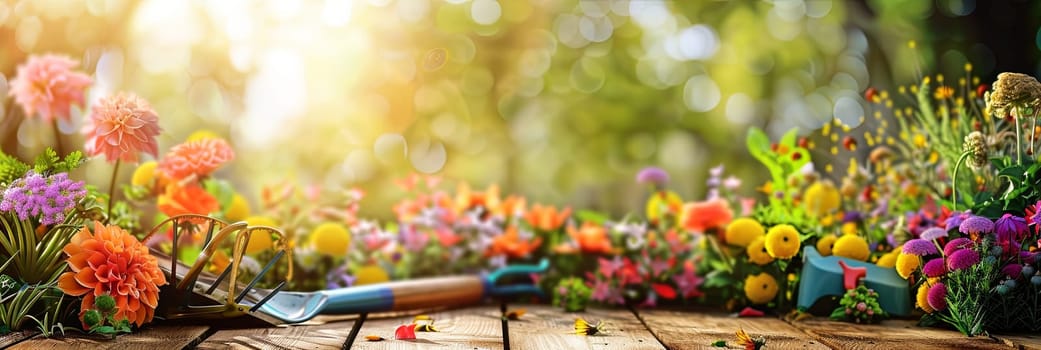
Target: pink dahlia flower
{"points": [[199, 158], [122, 126], [47, 86]]}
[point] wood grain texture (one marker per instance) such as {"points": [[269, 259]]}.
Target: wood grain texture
{"points": [[544, 327], [891, 334], [471, 328], [326, 336], [15, 337], [151, 338], [1021, 341], [698, 330]]}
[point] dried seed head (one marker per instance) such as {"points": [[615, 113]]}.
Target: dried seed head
{"points": [[976, 145], [1014, 89]]}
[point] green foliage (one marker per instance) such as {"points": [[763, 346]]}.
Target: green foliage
{"points": [[851, 310], [16, 308], [99, 320], [967, 293], [49, 324], [1022, 188], [782, 159], [36, 258], [49, 162], [11, 168], [572, 294]]}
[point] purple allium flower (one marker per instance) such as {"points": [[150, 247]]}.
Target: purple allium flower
{"points": [[1010, 228], [933, 233], [852, 216], [653, 175], [976, 225], [934, 268], [937, 296], [919, 247], [1013, 271], [956, 244], [1036, 218], [962, 259], [47, 197], [1028, 257]]}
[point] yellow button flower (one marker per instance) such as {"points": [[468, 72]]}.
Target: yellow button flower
{"points": [[238, 209], [922, 298], [202, 134], [851, 246], [761, 288], [331, 239], [782, 241], [887, 260], [757, 253], [260, 240], [906, 264], [821, 198], [144, 175], [370, 274], [825, 243], [849, 228], [743, 231]]}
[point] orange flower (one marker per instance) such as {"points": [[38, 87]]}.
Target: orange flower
{"points": [[591, 238], [196, 158], [466, 199], [511, 206], [510, 244], [703, 216], [121, 127], [190, 199], [111, 261], [546, 218]]}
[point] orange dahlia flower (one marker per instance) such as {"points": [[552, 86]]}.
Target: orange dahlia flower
{"points": [[190, 199], [702, 216], [199, 158], [510, 244], [590, 238], [121, 127], [112, 261], [547, 218]]}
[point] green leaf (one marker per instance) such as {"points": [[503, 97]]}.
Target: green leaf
{"points": [[839, 314], [720, 343], [104, 330], [591, 216]]}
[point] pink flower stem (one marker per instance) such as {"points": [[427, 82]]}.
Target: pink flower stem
{"points": [[57, 138], [112, 191]]}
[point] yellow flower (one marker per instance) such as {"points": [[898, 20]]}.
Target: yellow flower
{"points": [[331, 239], [849, 228], [782, 241], [259, 241], [757, 252], [144, 175], [761, 288], [922, 298], [887, 260], [238, 209], [821, 198], [906, 264], [663, 203], [370, 274], [743, 231], [825, 243], [202, 134], [851, 246]]}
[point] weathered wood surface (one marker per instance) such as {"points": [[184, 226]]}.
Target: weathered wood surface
{"points": [[326, 336], [471, 328], [698, 330], [545, 327], [15, 337], [151, 338], [891, 334], [1021, 341]]}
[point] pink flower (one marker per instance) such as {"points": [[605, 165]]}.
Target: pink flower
{"points": [[47, 85], [199, 158], [121, 127]]}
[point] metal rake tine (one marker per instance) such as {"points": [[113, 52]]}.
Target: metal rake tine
{"points": [[174, 257], [267, 297], [220, 278], [260, 275]]}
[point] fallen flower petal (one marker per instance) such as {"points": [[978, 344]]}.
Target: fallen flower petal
{"points": [[750, 312], [405, 332]]}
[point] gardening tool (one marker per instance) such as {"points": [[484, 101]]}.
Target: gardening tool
{"points": [[425, 293], [219, 299], [823, 276]]}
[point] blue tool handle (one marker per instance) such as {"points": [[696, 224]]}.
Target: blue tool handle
{"points": [[425, 293]]}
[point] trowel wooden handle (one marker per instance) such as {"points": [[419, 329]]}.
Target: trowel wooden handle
{"points": [[406, 295]]}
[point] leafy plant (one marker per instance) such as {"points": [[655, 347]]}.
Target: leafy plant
{"points": [[782, 159], [859, 305], [967, 293], [49, 323], [99, 320], [572, 294], [49, 162], [1022, 188], [17, 307], [11, 168], [36, 258]]}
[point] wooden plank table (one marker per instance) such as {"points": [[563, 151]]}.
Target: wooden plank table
{"points": [[542, 327]]}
